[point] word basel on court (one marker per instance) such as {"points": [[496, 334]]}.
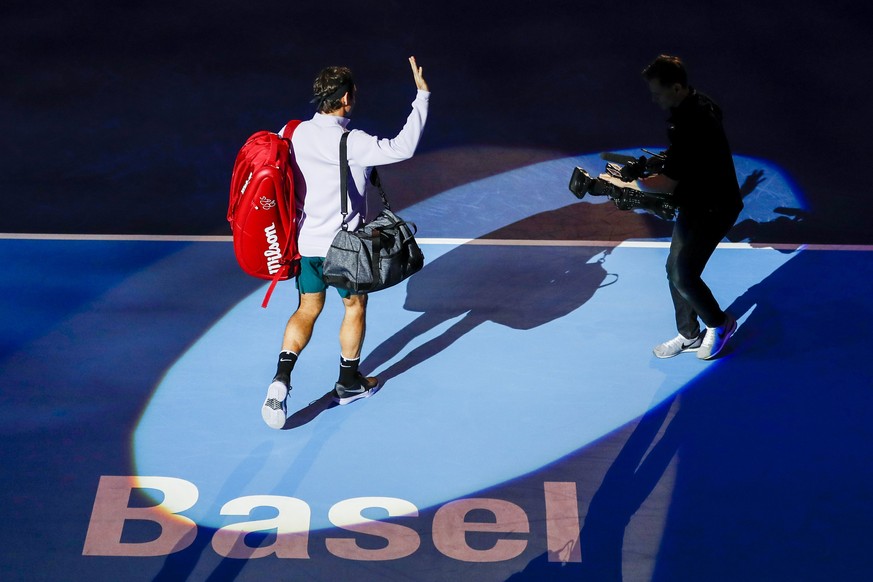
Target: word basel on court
{"points": [[291, 524]]}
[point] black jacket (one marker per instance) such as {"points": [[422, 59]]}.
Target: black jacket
{"points": [[699, 157]]}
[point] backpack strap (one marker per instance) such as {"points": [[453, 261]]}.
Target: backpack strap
{"points": [[289, 128], [279, 274]]}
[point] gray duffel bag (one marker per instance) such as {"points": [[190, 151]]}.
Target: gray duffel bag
{"points": [[377, 255]]}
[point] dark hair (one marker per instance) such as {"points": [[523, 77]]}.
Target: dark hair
{"points": [[329, 87], [667, 70]]}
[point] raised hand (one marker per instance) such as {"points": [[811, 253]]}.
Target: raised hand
{"points": [[417, 73]]}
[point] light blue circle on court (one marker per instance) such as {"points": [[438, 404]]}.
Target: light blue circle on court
{"points": [[501, 360]]}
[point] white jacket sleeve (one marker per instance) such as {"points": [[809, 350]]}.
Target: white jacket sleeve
{"points": [[368, 150]]}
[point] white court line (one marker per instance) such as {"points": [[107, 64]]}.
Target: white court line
{"points": [[436, 241]]}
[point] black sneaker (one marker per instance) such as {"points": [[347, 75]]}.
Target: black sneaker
{"points": [[363, 387]]}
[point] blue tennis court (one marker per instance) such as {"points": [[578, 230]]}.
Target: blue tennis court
{"points": [[524, 430]]}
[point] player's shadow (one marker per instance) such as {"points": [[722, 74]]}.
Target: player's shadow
{"points": [[520, 287], [791, 228]]}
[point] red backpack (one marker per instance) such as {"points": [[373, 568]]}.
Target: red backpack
{"points": [[262, 212]]}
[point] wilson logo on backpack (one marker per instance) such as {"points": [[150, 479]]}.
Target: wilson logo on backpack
{"points": [[273, 253], [261, 210]]}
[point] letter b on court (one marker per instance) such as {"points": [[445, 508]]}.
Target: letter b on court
{"points": [[111, 510]]}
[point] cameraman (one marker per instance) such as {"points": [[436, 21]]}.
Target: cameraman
{"points": [[699, 171]]}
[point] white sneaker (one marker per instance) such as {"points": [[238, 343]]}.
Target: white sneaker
{"points": [[273, 410], [677, 345], [716, 338]]}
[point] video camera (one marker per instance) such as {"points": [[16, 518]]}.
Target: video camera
{"points": [[632, 168], [661, 204]]}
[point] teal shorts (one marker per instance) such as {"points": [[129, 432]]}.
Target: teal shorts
{"points": [[309, 280]]}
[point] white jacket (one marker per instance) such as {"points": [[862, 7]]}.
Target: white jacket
{"points": [[315, 150]]}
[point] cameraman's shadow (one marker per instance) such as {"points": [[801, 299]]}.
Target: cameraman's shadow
{"points": [[521, 287]]}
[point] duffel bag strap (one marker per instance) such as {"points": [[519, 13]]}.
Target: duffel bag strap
{"points": [[344, 181]]}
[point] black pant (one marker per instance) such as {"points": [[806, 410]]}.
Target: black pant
{"points": [[695, 237]]}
